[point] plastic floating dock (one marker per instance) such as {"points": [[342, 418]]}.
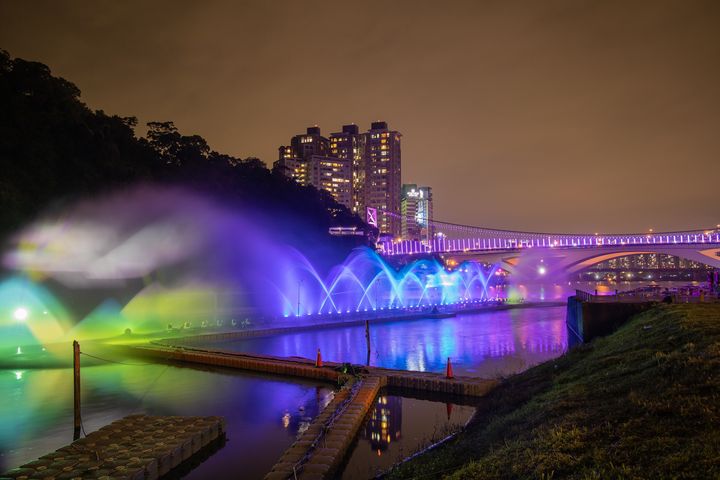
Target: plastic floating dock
{"points": [[137, 447]]}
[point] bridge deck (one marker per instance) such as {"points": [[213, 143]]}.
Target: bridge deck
{"points": [[510, 241]]}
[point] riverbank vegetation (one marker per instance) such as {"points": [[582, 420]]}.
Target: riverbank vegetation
{"points": [[643, 402]]}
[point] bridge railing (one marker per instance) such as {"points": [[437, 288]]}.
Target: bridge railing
{"points": [[676, 295], [523, 241]]}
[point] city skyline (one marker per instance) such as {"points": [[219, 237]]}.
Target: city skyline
{"points": [[617, 101], [360, 170]]}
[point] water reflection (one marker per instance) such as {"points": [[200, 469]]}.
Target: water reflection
{"points": [[384, 424], [488, 344], [264, 415], [396, 428]]}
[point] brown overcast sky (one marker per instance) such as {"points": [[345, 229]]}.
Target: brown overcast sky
{"points": [[540, 115]]}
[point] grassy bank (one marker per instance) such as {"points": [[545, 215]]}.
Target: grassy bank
{"points": [[641, 403]]}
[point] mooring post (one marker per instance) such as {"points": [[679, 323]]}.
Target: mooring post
{"points": [[367, 339], [76, 389]]}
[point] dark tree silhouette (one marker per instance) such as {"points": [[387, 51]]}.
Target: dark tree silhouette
{"points": [[53, 149]]}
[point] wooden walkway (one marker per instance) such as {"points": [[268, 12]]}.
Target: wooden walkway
{"points": [[137, 447]]}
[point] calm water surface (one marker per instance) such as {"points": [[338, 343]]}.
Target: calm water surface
{"points": [[489, 344], [263, 414], [396, 428]]}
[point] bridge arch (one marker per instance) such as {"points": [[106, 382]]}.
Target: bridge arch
{"points": [[577, 261]]}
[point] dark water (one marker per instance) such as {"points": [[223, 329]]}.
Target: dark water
{"points": [[396, 428], [489, 344], [263, 414]]}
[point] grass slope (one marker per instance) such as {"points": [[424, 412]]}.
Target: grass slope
{"points": [[641, 403]]}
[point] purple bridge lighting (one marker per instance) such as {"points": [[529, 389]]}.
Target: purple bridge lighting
{"points": [[576, 250], [520, 240]]}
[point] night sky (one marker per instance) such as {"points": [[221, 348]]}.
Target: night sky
{"points": [[539, 115]]}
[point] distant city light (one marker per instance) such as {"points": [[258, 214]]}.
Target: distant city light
{"points": [[542, 270], [20, 314]]}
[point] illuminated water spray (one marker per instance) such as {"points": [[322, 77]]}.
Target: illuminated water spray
{"points": [[366, 282], [151, 260]]}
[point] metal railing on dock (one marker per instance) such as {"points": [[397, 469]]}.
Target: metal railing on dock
{"points": [[676, 295]]}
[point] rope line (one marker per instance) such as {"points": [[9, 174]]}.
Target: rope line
{"points": [[115, 361], [141, 400], [152, 384]]}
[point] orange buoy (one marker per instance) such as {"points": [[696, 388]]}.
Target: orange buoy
{"points": [[318, 360], [448, 373]]}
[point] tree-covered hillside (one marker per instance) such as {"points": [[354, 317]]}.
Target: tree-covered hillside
{"points": [[54, 149]]}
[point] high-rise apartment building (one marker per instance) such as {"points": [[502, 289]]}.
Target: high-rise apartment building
{"points": [[291, 166], [294, 160], [361, 170], [416, 211], [349, 145], [382, 176], [334, 175], [308, 162]]}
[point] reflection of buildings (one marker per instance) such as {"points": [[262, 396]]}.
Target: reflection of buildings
{"points": [[385, 423], [416, 210]]}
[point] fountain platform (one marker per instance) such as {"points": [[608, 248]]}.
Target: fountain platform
{"points": [[136, 447]]}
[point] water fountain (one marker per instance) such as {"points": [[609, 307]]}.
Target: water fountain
{"points": [[149, 260]]}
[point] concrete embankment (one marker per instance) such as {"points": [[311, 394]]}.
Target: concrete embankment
{"points": [[137, 447], [589, 319]]}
